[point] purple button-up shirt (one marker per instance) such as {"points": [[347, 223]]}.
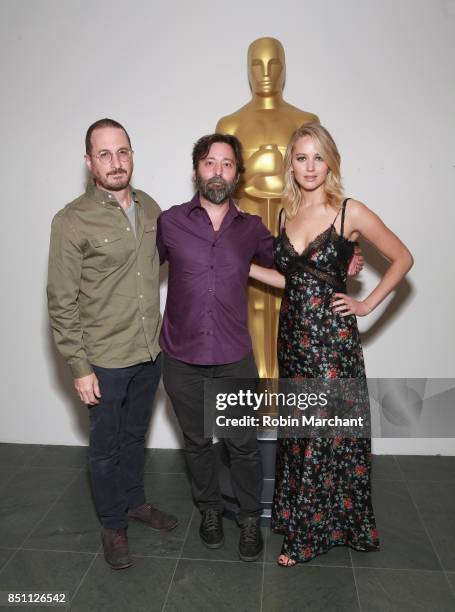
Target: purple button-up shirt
{"points": [[206, 316]]}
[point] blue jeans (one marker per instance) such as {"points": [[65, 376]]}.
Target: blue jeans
{"points": [[118, 425]]}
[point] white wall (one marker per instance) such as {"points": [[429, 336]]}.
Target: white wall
{"points": [[378, 74]]}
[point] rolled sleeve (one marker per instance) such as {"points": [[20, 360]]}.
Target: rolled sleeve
{"points": [[263, 254]]}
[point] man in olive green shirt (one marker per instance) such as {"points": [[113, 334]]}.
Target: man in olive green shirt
{"points": [[103, 295]]}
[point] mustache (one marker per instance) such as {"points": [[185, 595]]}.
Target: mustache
{"points": [[216, 180], [114, 172]]}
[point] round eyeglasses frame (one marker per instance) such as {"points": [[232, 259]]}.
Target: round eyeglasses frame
{"points": [[106, 157]]}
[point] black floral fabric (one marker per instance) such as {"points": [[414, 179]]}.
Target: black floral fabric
{"points": [[322, 492]]}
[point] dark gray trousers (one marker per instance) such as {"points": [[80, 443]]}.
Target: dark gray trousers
{"points": [[184, 384]]}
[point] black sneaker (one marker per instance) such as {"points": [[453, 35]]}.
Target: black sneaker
{"points": [[251, 544], [211, 529]]}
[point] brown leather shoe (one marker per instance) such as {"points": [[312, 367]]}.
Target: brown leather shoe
{"points": [[155, 518], [116, 551]]}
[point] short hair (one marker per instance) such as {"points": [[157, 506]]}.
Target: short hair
{"points": [[202, 147], [102, 123]]}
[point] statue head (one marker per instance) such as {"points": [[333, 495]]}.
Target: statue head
{"points": [[266, 66]]}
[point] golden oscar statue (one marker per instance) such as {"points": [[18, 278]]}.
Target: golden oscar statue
{"points": [[264, 126]]}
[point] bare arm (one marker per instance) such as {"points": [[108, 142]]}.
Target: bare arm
{"points": [[269, 276], [370, 226], [357, 262]]}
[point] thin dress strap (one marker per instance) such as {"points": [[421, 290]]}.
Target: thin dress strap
{"points": [[280, 219], [336, 216], [343, 211]]}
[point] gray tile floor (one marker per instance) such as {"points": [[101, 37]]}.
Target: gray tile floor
{"points": [[50, 540]]}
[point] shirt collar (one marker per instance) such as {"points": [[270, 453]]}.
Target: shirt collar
{"points": [[196, 203], [104, 197]]}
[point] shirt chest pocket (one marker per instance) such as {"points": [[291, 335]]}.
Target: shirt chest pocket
{"points": [[108, 251], [150, 238]]}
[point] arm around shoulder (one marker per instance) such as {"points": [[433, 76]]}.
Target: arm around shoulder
{"points": [[268, 276]]}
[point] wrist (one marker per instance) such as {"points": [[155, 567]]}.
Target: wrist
{"points": [[368, 308]]}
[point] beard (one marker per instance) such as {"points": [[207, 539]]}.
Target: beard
{"points": [[116, 180], [216, 190]]}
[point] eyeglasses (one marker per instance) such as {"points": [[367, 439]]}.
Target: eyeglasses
{"points": [[105, 157]]}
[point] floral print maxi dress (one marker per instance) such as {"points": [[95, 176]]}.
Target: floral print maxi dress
{"points": [[322, 492]]}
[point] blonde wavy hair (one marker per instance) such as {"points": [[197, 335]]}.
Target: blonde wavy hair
{"points": [[329, 152]]}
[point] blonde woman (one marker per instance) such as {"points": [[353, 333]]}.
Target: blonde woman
{"points": [[322, 487]]}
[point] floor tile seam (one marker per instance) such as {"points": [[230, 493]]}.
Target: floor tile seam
{"points": [[231, 561], [9, 561], [452, 480], [29, 459], [309, 564], [425, 527], [13, 554], [399, 466], [40, 448], [451, 586], [164, 473], [405, 479], [171, 582], [264, 556], [395, 458], [240, 563], [355, 581], [59, 550], [38, 523], [183, 558], [399, 569], [11, 476], [420, 516], [419, 479], [211, 560], [187, 530], [370, 567], [51, 507], [60, 467], [161, 557], [84, 575]]}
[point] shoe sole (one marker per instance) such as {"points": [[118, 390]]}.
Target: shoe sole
{"points": [[164, 529], [250, 559], [213, 546], [120, 567]]}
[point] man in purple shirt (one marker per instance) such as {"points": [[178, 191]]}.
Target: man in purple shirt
{"points": [[210, 245]]}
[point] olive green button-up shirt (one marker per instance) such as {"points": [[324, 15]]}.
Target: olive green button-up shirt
{"points": [[103, 282]]}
